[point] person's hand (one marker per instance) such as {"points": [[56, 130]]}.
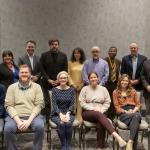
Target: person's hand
{"points": [[134, 82], [34, 78], [26, 124], [148, 88], [56, 82], [20, 125], [52, 82], [62, 117]]}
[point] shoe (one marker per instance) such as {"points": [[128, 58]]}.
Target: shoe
{"points": [[129, 145]]}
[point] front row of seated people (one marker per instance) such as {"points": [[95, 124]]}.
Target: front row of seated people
{"points": [[24, 101]]}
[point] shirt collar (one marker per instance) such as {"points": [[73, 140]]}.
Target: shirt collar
{"points": [[23, 88]]}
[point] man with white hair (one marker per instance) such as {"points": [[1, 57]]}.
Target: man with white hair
{"points": [[96, 64]]}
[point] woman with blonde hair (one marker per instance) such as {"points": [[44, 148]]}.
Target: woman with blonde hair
{"points": [[127, 105], [63, 98]]}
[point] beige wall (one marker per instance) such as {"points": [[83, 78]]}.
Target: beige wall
{"points": [[81, 23]]}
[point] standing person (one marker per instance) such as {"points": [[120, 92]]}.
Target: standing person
{"points": [[8, 69], [127, 104], [95, 101], [114, 70], [52, 62], [96, 64], [145, 77], [31, 59], [75, 66], [132, 65], [63, 98], [23, 102]]}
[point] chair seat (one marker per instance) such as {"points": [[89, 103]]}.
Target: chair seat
{"points": [[1, 125], [53, 125], [91, 124], [143, 125]]}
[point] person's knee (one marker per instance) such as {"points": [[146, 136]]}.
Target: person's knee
{"points": [[9, 129], [39, 126]]}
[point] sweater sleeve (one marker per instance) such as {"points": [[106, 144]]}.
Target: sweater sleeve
{"points": [[116, 103], [39, 101], [10, 102], [106, 104], [82, 99]]}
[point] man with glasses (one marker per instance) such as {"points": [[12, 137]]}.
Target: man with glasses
{"points": [[96, 64]]}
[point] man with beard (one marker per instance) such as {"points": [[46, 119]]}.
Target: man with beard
{"points": [[23, 102], [52, 62], [95, 64]]}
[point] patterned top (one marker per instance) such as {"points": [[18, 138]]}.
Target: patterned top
{"points": [[62, 101]]}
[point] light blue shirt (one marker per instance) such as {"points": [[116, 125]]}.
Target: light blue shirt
{"points": [[100, 67]]}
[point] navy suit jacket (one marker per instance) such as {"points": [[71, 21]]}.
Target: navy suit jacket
{"points": [[127, 68]]}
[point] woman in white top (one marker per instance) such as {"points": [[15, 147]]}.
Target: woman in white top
{"points": [[95, 101]]}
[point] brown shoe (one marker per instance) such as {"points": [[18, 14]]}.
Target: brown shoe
{"points": [[129, 145]]}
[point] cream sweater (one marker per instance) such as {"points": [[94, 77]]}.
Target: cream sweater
{"points": [[90, 98], [23, 103]]}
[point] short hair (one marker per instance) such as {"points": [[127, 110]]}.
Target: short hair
{"points": [[81, 51], [89, 75], [7, 52], [112, 47], [31, 41], [52, 41], [25, 66], [60, 73]]}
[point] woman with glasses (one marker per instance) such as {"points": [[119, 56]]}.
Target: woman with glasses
{"points": [[63, 98]]}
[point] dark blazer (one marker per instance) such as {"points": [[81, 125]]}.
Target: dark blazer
{"points": [[145, 76], [6, 75], [36, 67], [126, 67], [51, 64]]}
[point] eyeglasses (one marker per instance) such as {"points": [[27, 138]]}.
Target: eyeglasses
{"points": [[63, 78], [95, 51]]}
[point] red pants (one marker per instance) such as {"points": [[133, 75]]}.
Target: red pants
{"points": [[103, 124]]}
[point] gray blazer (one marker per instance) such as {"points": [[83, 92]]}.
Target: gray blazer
{"points": [[36, 66]]}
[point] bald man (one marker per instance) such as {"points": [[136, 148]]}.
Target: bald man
{"points": [[96, 64], [132, 65]]}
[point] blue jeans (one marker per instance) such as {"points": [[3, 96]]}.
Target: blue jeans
{"points": [[10, 129]]}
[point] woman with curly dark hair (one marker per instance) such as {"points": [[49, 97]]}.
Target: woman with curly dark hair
{"points": [[75, 66], [127, 105]]}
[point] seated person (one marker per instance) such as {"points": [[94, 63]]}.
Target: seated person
{"points": [[63, 98], [95, 101], [2, 97], [23, 102], [127, 105]]}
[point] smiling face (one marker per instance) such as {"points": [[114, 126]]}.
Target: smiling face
{"points": [[7, 59], [95, 52], [24, 75], [124, 83], [112, 52], [30, 47], [133, 49], [77, 55], [63, 79], [93, 78]]}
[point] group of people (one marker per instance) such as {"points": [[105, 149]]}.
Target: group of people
{"points": [[93, 90]]}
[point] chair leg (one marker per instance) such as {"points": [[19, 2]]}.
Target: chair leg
{"points": [[142, 136], [2, 140], [80, 138], [83, 138]]}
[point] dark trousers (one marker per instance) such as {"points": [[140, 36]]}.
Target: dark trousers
{"points": [[65, 135], [111, 86], [102, 125]]}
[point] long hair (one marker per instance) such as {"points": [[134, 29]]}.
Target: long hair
{"points": [[81, 51], [129, 87]]}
